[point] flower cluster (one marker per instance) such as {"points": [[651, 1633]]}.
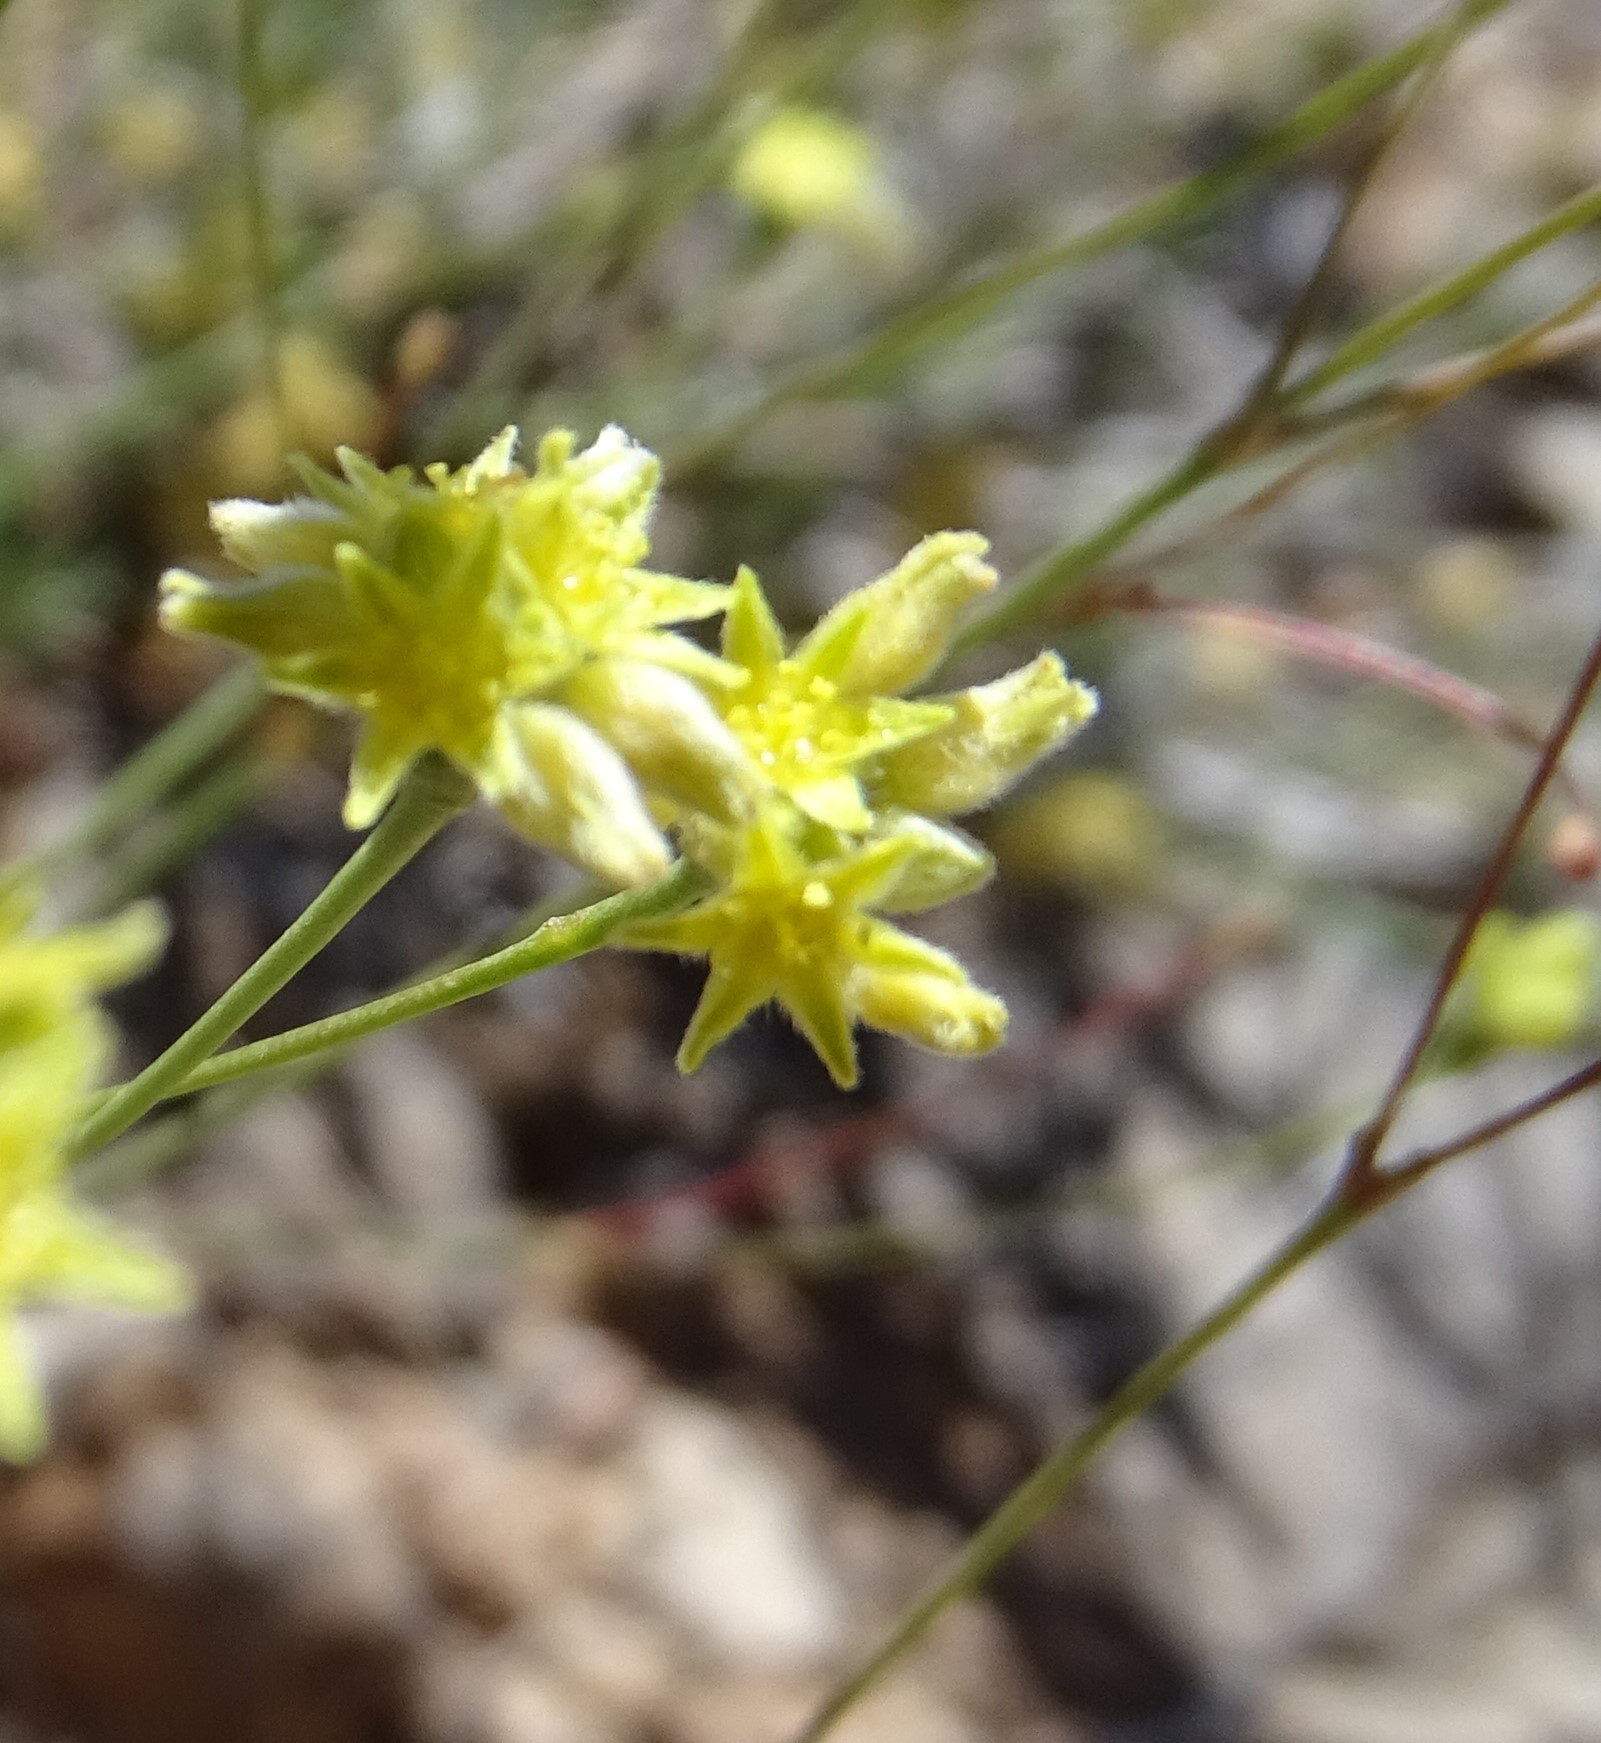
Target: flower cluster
{"points": [[505, 619], [53, 1043], [497, 616]]}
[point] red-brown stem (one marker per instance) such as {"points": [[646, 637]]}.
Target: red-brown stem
{"points": [[1304, 638], [1411, 1169], [1363, 1179]]}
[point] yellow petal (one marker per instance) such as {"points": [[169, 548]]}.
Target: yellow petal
{"points": [[733, 990]]}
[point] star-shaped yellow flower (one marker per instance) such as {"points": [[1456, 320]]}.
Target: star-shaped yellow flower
{"points": [[849, 782], [439, 607], [812, 718], [796, 929]]}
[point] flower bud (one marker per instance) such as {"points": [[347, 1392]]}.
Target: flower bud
{"points": [[298, 534], [898, 627], [909, 988], [667, 731], [281, 617], [941, 865], [615, 473], [579, 799], [999, 730]]}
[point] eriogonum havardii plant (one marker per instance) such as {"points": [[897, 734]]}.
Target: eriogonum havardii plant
{"points": [[53, 1045], [503, 619]]}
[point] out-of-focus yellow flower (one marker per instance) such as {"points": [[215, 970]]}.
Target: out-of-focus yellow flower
{"points": [[451, 611], [21, 172], [53, 1044], [153, 135], [1091, 831], [1529, 983], [322, 403], [806, 169]]}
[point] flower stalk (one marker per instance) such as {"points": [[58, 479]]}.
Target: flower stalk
{"points": [[431, 796]]}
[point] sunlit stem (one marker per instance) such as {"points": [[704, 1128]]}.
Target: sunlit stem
{"points": [[557, 940], [433, 794], [1037, 1497]]}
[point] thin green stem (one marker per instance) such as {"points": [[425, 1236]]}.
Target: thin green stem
{"points": [[1055, 573], [1309, 305], [1034, 1499], [155, 1146], [162, 765], [141, 1155], [557, 940], [433, 794], [1364, 1176], [1382, 335], [951, 312], [1240, 437], [250, 28]]}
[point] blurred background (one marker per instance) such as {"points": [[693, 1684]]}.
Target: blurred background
{"points": [[537, 1395]]}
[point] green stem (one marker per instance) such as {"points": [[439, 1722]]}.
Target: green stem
{"points": [[166, 762], [1382, 335], [1041, 1493], [1058, 571], [157, 1145], [557, 940], [948, 313], [433, 794], [254, 102], [1231, 443]]}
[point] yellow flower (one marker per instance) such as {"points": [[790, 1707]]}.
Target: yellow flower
{"points": [[53, 1043], [806, 168], [849, 779], [786, 926], [441, 608], [1530, 983], [816, 719]]}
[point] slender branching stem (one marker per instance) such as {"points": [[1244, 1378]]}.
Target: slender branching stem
{"points": [[433, 793], [557, 940], [1364, 1176], [1039, 1495], [1412, 1167]]}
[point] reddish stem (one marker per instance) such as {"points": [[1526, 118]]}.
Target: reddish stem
{"points": [[1363, 1182]]}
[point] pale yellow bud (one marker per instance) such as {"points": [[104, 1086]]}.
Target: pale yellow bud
{"points": [[902, 623], [999, 730], [668, 731], [258, 536], [580, 800], [941, 865], [951, 1015]]}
